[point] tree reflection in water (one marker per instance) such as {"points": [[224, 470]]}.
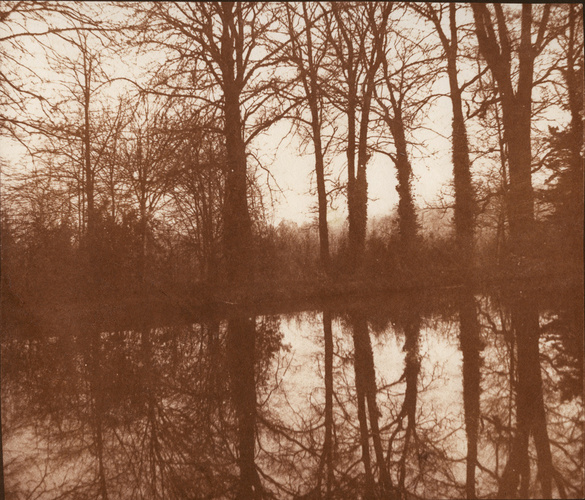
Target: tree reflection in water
{"points": [[397, 455], [242, 355], [328, 443], [538, 369], [347, 404], [366, 391], [530, 412], [470, 344]]}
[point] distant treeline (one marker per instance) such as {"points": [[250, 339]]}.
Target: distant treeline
{"points": [[47, 263]]}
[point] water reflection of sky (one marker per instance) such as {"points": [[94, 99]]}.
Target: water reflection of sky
{"points": [[155, 407], [440, 405]]}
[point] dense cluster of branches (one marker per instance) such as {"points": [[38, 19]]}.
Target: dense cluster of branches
{"points": [[158, 176]]}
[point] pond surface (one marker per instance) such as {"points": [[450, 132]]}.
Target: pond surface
{"points": [[456, 396]]}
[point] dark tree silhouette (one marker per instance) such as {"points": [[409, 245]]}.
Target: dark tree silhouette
{"points": [[307, 54], [356, 39], [464, 193], [516, 101]]}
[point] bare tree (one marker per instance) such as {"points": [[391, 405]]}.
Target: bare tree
{"points": [[146, 157], [307, 52], [356, 38], [516, 100], [226, 61], [403, 94], [464, 195]]}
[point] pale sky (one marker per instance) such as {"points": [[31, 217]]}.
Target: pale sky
{"points": [[294, 172]]}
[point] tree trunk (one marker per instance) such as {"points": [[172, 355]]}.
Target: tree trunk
{"points": [[322, 201], [470, 349], [407, 220], [142, 250], [361, 183], [351, 179], [90, 232], [241, 351], [464, 196], [237, 223], [312, 91], [516, 111]]}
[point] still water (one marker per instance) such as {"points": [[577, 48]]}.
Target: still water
{"points": [[455, 396]]}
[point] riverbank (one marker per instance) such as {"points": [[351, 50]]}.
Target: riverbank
{"points": [[159, 306]]}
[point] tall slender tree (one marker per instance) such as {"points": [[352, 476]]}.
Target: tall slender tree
{"points": [[307, 53], [464, 195], [402, 94], [356, 38]]}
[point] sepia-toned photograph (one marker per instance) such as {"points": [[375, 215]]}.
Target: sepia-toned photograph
{"points": [[291, 250]]}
